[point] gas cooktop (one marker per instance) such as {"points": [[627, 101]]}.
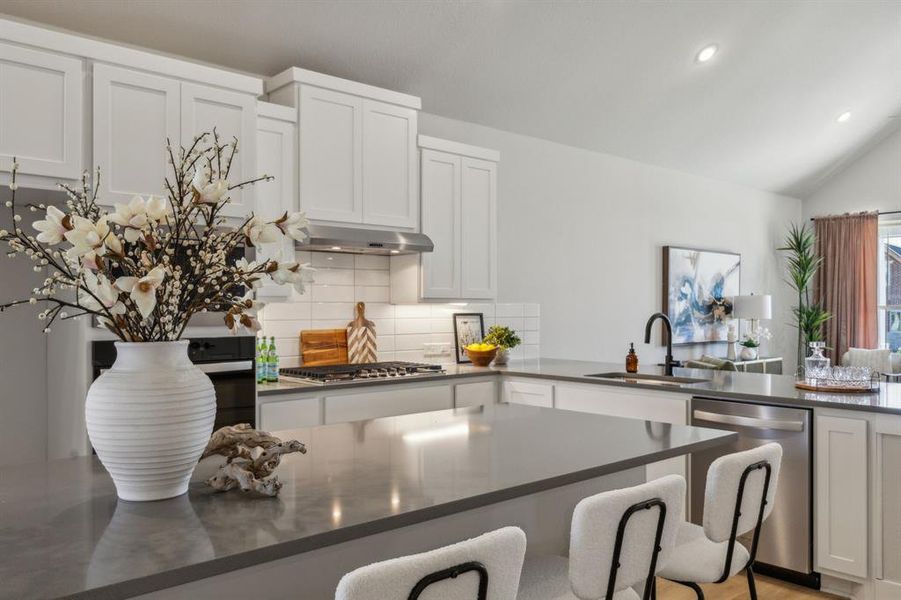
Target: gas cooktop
{"points": [[360, 372]]}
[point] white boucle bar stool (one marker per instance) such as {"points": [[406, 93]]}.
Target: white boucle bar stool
{"points": [[615, 541], [737, 499], [483, 568]]}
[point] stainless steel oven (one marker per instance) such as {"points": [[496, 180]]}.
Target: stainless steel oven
{"points": [[785, 549], [227, 361]]}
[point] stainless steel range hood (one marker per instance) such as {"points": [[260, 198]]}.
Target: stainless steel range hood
{"points": [[364, 241]]}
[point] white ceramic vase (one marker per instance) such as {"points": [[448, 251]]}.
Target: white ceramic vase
{"points": [[502, 356], [149, 418], [748, 353]]}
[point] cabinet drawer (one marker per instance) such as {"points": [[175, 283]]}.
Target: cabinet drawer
{"points": [[526, 392], [475, 394], [290, 414], [386, 403]]}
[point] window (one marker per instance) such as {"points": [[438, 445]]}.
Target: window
{"points": [[890, 284]]}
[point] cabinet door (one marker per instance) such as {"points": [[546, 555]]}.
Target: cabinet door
{"points": [[290, 414], [527, 392], [479, 229], [663, 407], [276, 141], [475, 394], [441, 222], [331, 153], [134, 114], [41, 98], [233, 115], [387, 403], [841, 495], [390, 193]]}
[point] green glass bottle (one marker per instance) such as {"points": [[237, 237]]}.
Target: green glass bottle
{"points": [[262, 360], [273, 362]]}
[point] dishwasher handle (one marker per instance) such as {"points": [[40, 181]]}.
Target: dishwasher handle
{"points": [[751, 422]]}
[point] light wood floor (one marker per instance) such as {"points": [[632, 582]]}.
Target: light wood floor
{"points": [[737, 589]]}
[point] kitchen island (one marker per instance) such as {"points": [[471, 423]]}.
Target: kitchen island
{"points": [[366, 491]]}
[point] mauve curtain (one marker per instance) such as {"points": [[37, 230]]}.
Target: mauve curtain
{"points": [[846, 281]]}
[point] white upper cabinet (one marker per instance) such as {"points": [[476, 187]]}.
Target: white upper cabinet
{"points": [[233, 114], [479, 218], [389, 165], [357, 152], [459, 214], [134, 114], [41, 104], [441, 207], [276, 156], [331, 151]]}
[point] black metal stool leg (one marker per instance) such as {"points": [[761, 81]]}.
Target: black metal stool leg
{"points": [[752, 587]]}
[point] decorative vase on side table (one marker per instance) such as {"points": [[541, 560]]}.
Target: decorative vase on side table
{"points": [[149, 418]]}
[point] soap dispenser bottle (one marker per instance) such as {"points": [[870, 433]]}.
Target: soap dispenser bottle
{"points": [[631, 360]]}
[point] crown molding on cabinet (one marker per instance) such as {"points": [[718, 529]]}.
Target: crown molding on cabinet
{"points": [[329, 82], [107, 52], [433, 143], [278, 112]]}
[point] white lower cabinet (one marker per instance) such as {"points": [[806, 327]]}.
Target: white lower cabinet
{"points": [[396, 400], [887, 508], [840, 446], [660, 407], [291, 411], [41, 119], [532, 393], [478, 393]]}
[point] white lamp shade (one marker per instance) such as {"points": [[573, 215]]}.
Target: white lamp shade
{"points": [[753, 307]]}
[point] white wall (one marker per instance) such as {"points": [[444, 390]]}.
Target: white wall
{"points": [[581, 233], [872, 182]]}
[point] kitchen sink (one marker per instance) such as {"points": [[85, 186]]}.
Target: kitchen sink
{"points": [[645, 379]]}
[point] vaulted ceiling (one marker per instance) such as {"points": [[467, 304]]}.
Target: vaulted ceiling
{"points": [[615, 77]]}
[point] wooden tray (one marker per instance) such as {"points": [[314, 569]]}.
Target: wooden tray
{"points": [[833, 389]]}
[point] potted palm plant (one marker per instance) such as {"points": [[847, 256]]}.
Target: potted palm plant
{"points": [[803, 264], [143, 270]]}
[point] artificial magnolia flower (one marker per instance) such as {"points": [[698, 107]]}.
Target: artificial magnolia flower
{"points": [[53, 228], [158, 208], [245, 313], [131, 216], [88, 236], [89, 261], [259, 232], [294, 226], [105, 295], [206, 191], [143, 290], [243, 266], [298, 275]]}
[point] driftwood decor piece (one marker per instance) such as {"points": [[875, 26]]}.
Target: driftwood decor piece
{"points": [[250, 457]]}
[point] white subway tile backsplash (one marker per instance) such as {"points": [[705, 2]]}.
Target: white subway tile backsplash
{"points": [[413, 341], [531, 310], [369, 277], [334, 276], [402, 326], [333, 260], [333, 310], [368, 261], [412, 311], [508, 310], [386, 356], [402, 331], [333, 293], [376, 310], [372, 293]]}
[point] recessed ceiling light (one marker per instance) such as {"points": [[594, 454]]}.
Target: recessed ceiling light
{"points": [[336, 247], [395, 252], [706, 53], [844, 116]]}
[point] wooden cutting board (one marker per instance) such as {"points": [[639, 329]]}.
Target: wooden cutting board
{"points": [[361, 346], [323, 347]]}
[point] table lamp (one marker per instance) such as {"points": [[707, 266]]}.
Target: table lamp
{"points": [[753, 308]]}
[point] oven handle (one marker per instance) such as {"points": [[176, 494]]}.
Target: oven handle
{"points": [[750, 422], [225, 367]]}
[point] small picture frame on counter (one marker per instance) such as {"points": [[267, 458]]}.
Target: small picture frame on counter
{"points": [[469, 328]]}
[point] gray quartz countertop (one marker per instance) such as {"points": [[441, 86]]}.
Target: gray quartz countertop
{"points": [[64, 534], [748, 387]]}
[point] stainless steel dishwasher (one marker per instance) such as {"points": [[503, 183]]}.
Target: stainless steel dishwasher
{"points": [[785, 549]]}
